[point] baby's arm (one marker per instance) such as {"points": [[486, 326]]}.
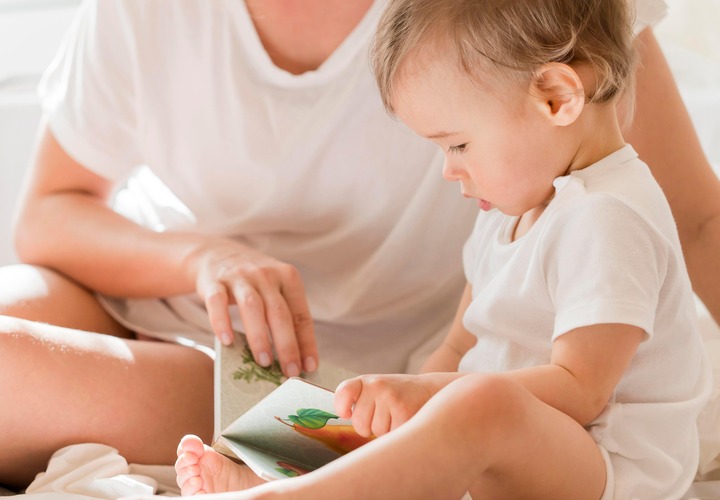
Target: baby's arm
{"points": [[585, 367], [458, 341]]}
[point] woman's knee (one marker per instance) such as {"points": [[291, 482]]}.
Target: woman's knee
{"points": [[41, 294], [26, 290]]}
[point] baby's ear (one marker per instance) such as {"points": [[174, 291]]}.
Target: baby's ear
{"points": [[559, 92]]}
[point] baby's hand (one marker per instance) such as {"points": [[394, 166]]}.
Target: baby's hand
{"points": [[378, 404]]}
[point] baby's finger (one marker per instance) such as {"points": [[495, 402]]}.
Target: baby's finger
{"points": [[346, 395], [252, 313], [216, 302], [362, 415], [381, 420]]}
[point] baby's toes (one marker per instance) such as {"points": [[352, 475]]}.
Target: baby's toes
{"points": [[186, 473], [192, 444], [193, 486]]}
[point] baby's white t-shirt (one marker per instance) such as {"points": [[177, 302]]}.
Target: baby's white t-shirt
{"points": [[605, 250]]}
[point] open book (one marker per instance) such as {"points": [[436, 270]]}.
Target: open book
{"points": [[293, 430], [243, 390]]}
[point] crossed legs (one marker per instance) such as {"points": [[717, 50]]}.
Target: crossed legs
{"points": [[62, 385]]}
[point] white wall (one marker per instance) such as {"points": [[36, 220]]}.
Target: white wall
{"points": [[690, 38], [30, 31]]}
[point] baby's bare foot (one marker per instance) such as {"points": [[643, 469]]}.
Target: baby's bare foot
{"points": [[200, 469]]}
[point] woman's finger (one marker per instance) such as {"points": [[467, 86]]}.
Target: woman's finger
{"points": [[252, 312], [294, 293], [282, 332], [215, 296]]}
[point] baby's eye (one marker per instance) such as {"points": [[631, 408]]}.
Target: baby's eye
{"points": [[457, 149]]}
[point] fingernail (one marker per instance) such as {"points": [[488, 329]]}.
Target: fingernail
{"points": [[264, 359], [310, 364], [227, 338], [292, 370]]}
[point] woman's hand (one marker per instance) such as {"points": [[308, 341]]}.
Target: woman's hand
{"points": [[378, 404], [270, 297]]}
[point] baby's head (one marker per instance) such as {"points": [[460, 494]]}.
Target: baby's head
{"points": [[515, 92], [501, 42]]}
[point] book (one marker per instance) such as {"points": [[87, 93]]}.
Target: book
{"points": [[244, 391], [290, 432]]}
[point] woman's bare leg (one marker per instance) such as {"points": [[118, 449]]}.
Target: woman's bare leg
{"points": [[40, 294], [483, 434], [61, 386]]}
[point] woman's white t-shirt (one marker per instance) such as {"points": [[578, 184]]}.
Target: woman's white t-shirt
{"points": [[180, 101]]}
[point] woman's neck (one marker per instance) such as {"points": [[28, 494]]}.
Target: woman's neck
{"points": [[299, 35]]}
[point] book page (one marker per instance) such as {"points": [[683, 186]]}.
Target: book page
{"points": [[293, 429], [264, 465]]}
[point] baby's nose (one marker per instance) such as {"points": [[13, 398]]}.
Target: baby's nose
{"points": [[451, 172]]}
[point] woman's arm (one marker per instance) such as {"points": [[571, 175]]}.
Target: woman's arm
{"points": [[664, 137], [65, 223]]}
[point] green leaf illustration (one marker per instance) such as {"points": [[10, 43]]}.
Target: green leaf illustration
{"points": [[251, 372], [287, 472], [311, 418]]}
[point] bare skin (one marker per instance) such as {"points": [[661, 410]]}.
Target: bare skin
{"points": [[80, 387], [200, 470]]}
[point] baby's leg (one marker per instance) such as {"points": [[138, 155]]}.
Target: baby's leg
{"points": [[200, 469], [483, 434]]}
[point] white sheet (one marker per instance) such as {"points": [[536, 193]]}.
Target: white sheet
{"points": [[95, 471]]}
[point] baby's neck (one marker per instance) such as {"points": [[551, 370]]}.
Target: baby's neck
{"points": [[598, 135]]}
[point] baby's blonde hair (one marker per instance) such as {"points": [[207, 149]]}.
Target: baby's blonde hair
{"points": [[509, 40]]}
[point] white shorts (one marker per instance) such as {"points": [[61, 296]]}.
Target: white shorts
{"points": [[609, 491]]}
